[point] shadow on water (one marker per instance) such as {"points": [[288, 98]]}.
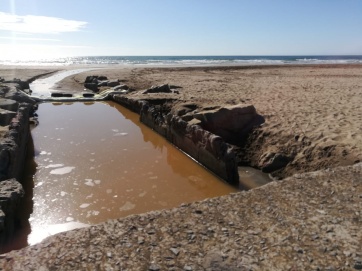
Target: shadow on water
{"points": [[174, 161]]}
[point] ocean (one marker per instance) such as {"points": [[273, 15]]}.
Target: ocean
{"points": [[189, 60]]}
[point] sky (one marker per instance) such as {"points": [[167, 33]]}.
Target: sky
{"points": [[59, 28]]}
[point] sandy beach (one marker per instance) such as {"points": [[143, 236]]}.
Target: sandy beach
{"points": [[312, 113]]}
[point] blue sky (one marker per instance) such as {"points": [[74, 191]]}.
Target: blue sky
{"points": [[45, 28]]}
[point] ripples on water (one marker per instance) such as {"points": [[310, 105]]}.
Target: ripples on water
{"points": [[190, 60]]}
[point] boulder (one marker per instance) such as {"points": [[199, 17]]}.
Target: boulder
{"points": [[232, 123], [90, 79], [91, 86], [8, 104]]}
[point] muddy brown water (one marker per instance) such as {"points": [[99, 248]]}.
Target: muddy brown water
{"points": [[96, 161]]}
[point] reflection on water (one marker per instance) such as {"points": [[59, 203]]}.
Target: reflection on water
{"points": [[98, 162]]}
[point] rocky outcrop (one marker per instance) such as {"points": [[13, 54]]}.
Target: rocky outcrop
{"points": [[95, 82], [23, 85], [203, 134], [13, 92], [15, 110]]}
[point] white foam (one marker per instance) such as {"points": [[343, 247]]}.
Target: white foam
{"points": [[54, 165], [89, 182], [84, 205], [61, 171], [121, 134], [127, 206]]}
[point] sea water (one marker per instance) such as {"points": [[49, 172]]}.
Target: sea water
{"points": [[190, 60]]}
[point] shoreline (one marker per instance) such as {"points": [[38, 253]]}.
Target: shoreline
{"points": [[327, 135]]}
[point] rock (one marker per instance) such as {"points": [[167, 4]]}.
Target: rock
{"points": [[90, 79], [175, 251], [61, 94], [276, 162], [14, 144], [6, 117], [91, 86], [154, 267], [158, 89], [102, 78], [103, 83], [88, 95], [232, 123], [11, 191], [14, 94], [113, 83], [8, 104], [21, 84]]}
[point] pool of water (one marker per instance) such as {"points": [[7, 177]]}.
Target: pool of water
{"points": [[96, 161]]}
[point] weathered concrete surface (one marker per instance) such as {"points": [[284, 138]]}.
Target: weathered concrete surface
{"points": [[310, 221]]}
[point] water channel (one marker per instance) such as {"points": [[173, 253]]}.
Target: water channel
{"points": [[96, 161]]}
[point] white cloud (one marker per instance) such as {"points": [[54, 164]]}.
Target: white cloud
{"points": [[38, 24]]}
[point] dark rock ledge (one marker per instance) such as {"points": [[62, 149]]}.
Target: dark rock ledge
{"points": [[16, 108]]}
